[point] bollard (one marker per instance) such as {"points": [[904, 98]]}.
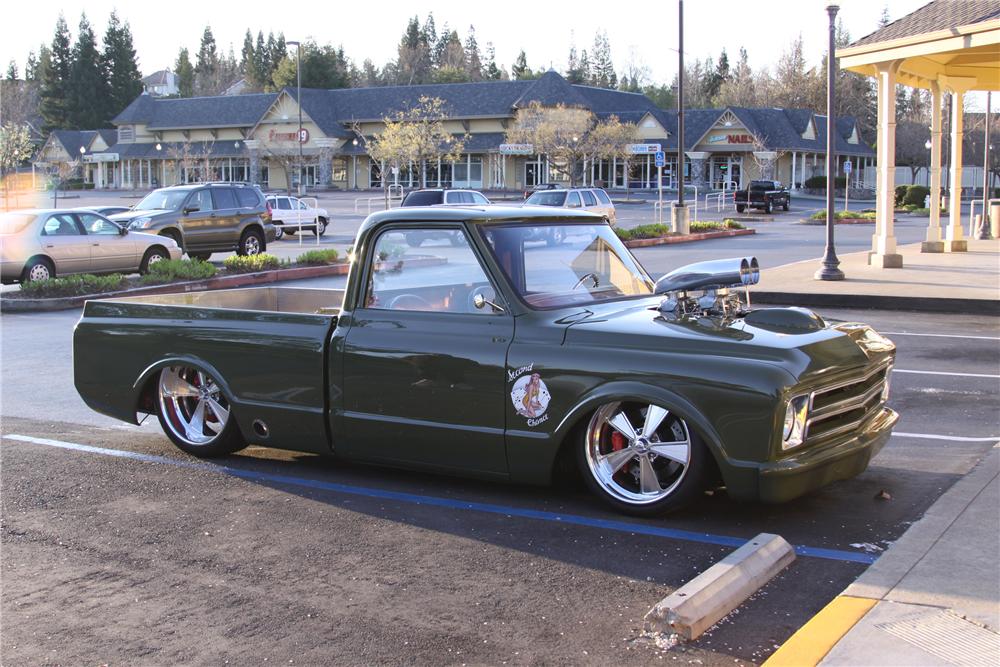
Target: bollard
{"points": [[995, 218]]}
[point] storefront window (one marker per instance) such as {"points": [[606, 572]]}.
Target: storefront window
{"points": [[468, 173], [375, 174], [338, 172]]}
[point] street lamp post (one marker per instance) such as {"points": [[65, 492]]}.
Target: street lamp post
{"points": [[298, 99], [680, 212], [830, 269]]}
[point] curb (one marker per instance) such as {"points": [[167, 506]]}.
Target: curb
{"points": [[842, 221], [878, 302], [688, 238], [705, 600], [222, 282], [813, 641]]}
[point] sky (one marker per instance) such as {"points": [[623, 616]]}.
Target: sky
{"points": [[646, 32]]}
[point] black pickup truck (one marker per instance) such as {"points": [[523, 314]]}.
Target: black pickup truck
{"points": [[765, 195]]}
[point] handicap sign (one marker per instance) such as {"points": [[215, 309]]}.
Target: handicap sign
{"points": [[661, 159], [847, 167]]}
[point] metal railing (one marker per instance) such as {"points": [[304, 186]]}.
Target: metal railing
{"points": [[395, 192], [721, 199], [313, 204]]}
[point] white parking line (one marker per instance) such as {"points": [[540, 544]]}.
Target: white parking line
{"points": [[964, 375], [933, 335], [928, 436]]}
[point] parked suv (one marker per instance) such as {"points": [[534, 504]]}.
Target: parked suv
{"points": [[291, 214], [594, 200], [206, 217], [435, 196]]}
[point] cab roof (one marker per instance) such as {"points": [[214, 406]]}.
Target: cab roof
{"points": [[483, 215]]}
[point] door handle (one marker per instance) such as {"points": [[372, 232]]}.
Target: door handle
{"points": [[50, 246], [96, 245]]}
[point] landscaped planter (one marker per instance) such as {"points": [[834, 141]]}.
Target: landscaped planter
{"points": [[11, 304], [840, 221], [687, 238]]}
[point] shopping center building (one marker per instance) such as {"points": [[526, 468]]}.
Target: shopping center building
{"points": [[163, 141]]}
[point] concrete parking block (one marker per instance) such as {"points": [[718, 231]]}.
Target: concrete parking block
{"points": [[706, 599]]}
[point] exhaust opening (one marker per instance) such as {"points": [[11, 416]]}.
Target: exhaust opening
{"points": [[260, 428]]}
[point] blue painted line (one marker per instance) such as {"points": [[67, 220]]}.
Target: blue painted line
{"points": [[435, 501]]}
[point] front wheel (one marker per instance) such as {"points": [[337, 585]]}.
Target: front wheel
{"points": [[740, 208], [251, 243], [152, 256], [278, 233], [767, 207], [200, 256], [784, 207], [320, 227], [195, 414], [38, 268], [642, 459]]}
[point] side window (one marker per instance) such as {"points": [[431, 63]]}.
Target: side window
{"points": [[247, 198], [224, 198], [61, 224], [394, 284], [588, 198], [302, 205], [200, 200], [479, 199], [573, 200], [283, 204], [95, 224], [602, 196]]}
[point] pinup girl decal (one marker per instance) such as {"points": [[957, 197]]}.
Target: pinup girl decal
{"points": [[530, 396]]}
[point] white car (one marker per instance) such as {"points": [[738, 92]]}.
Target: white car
{"points": [[290, 214], [594, 200]]}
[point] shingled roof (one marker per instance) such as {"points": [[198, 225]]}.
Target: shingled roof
{"points": [[196, 112], [936, 16]]}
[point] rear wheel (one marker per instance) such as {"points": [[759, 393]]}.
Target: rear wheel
{"points": [[152, 256], [251, 243], [38, 268], [320, 228], [784, 206], [740, 208], [200, 256], [278, 233], [195, 414], [642, 459]]}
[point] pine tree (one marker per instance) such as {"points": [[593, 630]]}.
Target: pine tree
{"points": [[884, 19], [88, 88], [261, 63], [604, 75], [207, 65], [440, 47], [31, 67], [490, 70], [429, 35], [520, 70], [473, 60], [54, 96], [185, 74], [248, 59], [585, 69], [120, 66], [573, 72], [12, 71]]}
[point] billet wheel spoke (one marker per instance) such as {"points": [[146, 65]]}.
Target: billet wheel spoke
{"points": [[195, 427], [675, 451], [175, 386], [615, 460], [620, 422], [648, 480], [221, 413], [654, 417]]}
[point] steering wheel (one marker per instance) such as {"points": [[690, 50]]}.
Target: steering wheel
{"points": [[409, 302], [593, 276]]}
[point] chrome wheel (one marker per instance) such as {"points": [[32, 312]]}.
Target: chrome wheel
{"points": [[320, 228], [192, 407], [637, 453], [39, 271], [251, 244]]}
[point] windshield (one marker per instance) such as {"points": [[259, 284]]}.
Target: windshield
{"points": [[14, 223], [547, 198], [556, 265], [169, 200]]}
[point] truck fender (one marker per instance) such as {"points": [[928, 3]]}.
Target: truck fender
{"points": [[153, 370], [640, 392]]}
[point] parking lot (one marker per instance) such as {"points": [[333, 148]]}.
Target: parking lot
{"points": [[118, 548]]}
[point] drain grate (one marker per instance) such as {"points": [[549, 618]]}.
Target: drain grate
{"points": [[948, 636]]}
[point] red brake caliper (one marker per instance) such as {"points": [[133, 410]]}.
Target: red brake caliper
{"points": [[617, 441]]}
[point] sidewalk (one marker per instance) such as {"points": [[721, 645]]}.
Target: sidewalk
{"points": [[932, 599], [929, 282]]}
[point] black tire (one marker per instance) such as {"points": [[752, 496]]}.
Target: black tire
{"points": [[173, 234], [38, 268], [176, 410], [200, 256], [784, 206], [767, 207], [278, 233], [414, 239], [686, 482], [740, 208], [152, 256], [251, 243], [291, 232], [320, 227]]}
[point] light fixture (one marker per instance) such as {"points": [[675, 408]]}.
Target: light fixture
{"points": [[355, 142], [575, 138], [927, 144], [728, 123], [82, 150], [236, 144], [159, 147]]}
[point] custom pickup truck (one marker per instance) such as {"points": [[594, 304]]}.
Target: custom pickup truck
{"points": [[765, 195], [493, 355]]}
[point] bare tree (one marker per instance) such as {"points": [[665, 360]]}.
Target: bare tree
{"points": [[609, 139], [911, 147], [188, 154], [15, 148], [557, 132]]}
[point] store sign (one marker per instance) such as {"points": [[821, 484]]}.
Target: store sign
{"points": [[643, 149], [517, 149], [274, 135], [730, 139], [101, 157]]}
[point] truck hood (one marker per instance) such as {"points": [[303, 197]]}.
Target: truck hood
{"points": [[128, 216], [830, 347]]}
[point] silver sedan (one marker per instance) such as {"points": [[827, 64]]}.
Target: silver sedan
{"points": [[44, 243]]}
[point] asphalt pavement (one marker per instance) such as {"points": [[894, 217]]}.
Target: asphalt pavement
{"points": [[117, 548]]}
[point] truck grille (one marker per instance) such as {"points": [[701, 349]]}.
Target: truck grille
{"points": [[844, 406]]}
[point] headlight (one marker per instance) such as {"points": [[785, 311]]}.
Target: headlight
{"points": [[795, 422], [140, 223]]}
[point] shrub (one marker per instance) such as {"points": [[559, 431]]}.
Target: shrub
{"points": [[915, 195], [728, 223], [819, 182], [926, 212], [73, 286], [251, 263], [844, 215], [318, 257], [900, 194], [652, 231], [170, 270]]}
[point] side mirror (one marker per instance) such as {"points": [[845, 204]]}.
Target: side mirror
{"points": [[122, 231], [480, 302], [190, 209]]}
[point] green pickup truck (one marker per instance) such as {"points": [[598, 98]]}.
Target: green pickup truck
{"points": [[491, 354]]}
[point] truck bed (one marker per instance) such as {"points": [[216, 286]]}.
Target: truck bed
{"points": [[266, 345]]}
